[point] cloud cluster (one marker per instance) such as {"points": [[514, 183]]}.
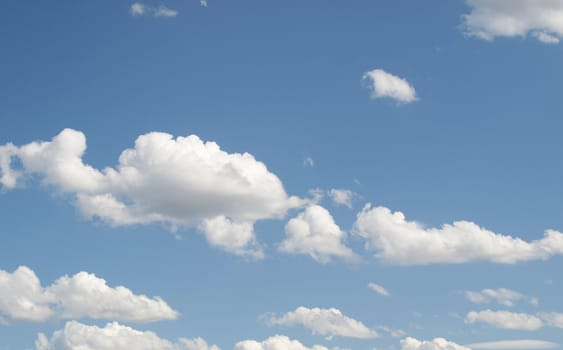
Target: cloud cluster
{"points": [[517, 18], [83, 295], [315, 233], [398, 241], [140, 9], [328, 322], [77, 336], [501, 296], [277, 342], [435, 344], [181, 181], [385, 84]]}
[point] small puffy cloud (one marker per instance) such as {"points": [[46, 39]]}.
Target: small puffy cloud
{"points": [[341, 197], [398, 241], [379, 289], [327, 322], [277, 342], [315, 233], [385, 84], [501, 296], [505, 319], [234, 237], [435, 344], [181, 181], [83, 295], [521, 344], [77, 336], [137, 9], [489, 19], [140, 9]]}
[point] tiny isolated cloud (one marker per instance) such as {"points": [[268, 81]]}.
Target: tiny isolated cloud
{"points": [[327, 322], [386, 85], [140, 9], [502, 296], [379, 289], [435, 344], [70, 297], [517, 344], [114, 336], [203, 3], [341, 196], [540, 19], [309, 162], [274, 343]]}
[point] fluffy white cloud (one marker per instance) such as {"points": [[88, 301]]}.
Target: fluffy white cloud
{"points": [[384, 84], [234, 237], [328, 322], [341, 197], [505, 319], [315, 233], [435, 344], [502, 296], [499, 18], [77, 336], [278, 342], [181, 181], [523, 344], [22, 297], [83, 295], [379, 289], [398, 241], [139, 9]]}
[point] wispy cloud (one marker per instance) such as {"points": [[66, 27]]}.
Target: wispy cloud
{"points": [[140, 9]]}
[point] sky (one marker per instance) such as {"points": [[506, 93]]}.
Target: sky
{"points": [[251, 175]]}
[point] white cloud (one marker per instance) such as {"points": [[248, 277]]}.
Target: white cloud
{"points": [[384, 84], [203, 3], [341, 197], [309, 162], [234, 237], [22, 297], [140, 9], [502, 296], [181, 181], [505, 319], [398, 241], [435, 344], [553, 319], [516, 18], [523, 344], [278, 342], [137, 9], [163, 11], [327, 322], [83, 295], [77, 336], [395, 333], [315, 233], [379, 289]]}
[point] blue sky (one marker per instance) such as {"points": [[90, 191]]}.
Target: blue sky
{"points": [[413, 146]]}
